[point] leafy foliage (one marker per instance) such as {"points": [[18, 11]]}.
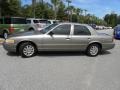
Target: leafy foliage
{"points": [[56, 10]]}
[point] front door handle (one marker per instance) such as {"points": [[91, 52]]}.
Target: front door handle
{"points": [[67, 38], [89, 38]]}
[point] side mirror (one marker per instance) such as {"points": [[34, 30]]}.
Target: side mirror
{"points": [[51, 33]]}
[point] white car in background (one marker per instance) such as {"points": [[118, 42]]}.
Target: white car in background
{"points": [[34, 24], [44, 23], [53, 21]]}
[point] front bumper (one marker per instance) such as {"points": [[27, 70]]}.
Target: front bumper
{"points": [[9, 47]]}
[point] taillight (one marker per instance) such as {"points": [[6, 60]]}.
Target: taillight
{"points": [[113, 38], [11, 28]]}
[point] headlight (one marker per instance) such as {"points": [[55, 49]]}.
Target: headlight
{"points": [[9, 41]]}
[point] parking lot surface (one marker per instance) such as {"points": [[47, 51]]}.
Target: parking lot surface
{"points": [[60, 71]]}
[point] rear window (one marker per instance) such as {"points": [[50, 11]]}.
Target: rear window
{"points": [[14, 21]]}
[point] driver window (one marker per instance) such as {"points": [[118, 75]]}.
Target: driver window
{"points": [[62, 30]]}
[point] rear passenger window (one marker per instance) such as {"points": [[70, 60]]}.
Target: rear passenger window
{"points": [[81, 30]]}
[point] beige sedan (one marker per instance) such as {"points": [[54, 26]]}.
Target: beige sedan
{"points": [[60, 37]]}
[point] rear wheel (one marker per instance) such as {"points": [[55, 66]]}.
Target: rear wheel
{"points": [[27, 50], [93, 50]]}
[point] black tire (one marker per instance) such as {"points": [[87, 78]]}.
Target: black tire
{"points": [[5, 35], [24, 52], [93, 50]]}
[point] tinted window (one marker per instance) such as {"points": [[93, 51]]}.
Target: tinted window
{"points": [[81, 30], [18, 21], [62, 29], [43, 21], [49, 22], [28, 21], [45, 30], [1, 21], [35, 21], [7, 20], [55, 22]]}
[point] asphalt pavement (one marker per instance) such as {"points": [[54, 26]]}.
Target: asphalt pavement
{"points": [[60, 71]]}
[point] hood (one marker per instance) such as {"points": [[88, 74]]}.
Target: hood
{"points": [[26, 33]]}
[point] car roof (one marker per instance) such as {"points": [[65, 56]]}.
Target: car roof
{"points": [[74, 23]]}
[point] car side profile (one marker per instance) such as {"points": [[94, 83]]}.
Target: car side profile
{"points": [[59, 37], [9, 25]]}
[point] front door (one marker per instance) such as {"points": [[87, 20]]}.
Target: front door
{"points": [[59, 40]]}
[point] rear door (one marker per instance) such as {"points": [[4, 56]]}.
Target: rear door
{"points": [[81, 37], [60, 40]]}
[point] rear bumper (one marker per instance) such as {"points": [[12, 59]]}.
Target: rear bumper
{"points": [[108, 46]]}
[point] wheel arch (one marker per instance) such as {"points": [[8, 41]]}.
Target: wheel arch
{"points": [[95, 43], [18, 45], [5, 30], [31, 28]]}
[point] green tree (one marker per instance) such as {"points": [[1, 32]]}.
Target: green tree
{"points": [[27, 11], [111, 19], [11, 8], [61, 11], [55, 5]]}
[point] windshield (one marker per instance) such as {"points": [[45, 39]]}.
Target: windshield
{"points": [[45, 30]]}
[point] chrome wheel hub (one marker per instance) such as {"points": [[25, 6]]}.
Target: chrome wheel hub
{"points": [[28, 50], [94, 50], [5, 35]]}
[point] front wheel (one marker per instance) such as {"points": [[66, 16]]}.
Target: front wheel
{"points": [[27, 50], [93, 50]]}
